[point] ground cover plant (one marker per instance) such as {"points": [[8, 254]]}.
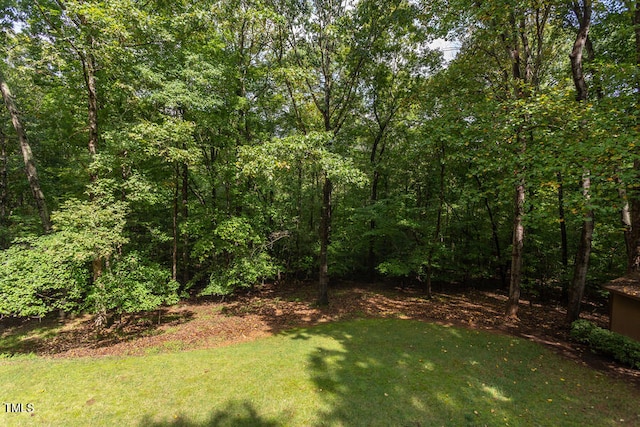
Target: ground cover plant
{"points": [[358, 372], [622, 348]]}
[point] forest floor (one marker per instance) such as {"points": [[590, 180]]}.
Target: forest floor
{"points": [[212, 322]]}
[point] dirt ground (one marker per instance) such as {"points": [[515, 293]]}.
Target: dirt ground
{"points": [[212, 322]]}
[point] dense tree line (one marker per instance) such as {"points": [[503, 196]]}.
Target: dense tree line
{"points": [[205, 146]]}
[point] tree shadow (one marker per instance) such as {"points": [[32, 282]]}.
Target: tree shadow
{"points": [[236, 414], [395, 372], [52, 335]]}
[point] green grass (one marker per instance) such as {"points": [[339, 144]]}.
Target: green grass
{"points": [[18, 342], [359, 373]]}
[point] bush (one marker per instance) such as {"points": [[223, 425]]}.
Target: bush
{"points": [[132, 284], [37, 278], [238, 256], [39, 275], [242, 273], [620, 347]]}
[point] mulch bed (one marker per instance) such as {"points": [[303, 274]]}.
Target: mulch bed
{"points": [[211, 322]]}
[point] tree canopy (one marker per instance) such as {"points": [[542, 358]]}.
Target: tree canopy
{"points": [[152, 150]]}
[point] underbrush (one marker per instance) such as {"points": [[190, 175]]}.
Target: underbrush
{"points": [[621, 348]]}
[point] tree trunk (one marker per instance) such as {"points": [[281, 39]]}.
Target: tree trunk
{"points": [[576, 291], [516, 253], [521, 91], [4, 209], [88, 71], [89, 68], [27, 155], [564, 246], [564, 253], [633, 253], [436, 234], [495, 236], [372, 225], [626, 219], [174, 227], [582, 259], [185, 214], [325, 233]]}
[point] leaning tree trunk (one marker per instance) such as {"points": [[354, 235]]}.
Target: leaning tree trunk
{"points": [[576, 290], [27, 155]]}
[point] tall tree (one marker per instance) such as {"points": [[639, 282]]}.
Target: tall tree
{"points": [[331, 41], [582, 10], [633, 244], [27, 155]]}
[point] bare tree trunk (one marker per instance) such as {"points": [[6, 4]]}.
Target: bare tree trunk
{"points": [[27, 155], [174, 228], [633, 242], [626, 219], [3, 180], [495, 236], [576, 291], [375, 159], [436, 234], [518, 225], [88, 62], [564, 253], [564, 246], [185, 235], [582, 259], [88, 66], [325, 233], [516, 253], [372, 225]]}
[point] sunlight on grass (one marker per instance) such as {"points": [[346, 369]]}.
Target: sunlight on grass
{"points": [[495, 394], [365, 372], [11, 341]]}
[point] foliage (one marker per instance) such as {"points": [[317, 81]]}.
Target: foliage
{"points": [[52, 272], [131, 284], [216, 125], [239, 255], [243, 272], [36, 278], [622, 348]]}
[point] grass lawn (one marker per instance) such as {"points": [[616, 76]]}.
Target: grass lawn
{"points": [[357, 373]]}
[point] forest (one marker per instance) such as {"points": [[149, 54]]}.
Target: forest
{"points": [[153, 149]]}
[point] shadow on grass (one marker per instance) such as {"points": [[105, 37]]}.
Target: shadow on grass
{"points": [[236, 414], [404, 373], [50, 335]]}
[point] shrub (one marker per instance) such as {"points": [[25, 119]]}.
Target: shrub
{"points": [[238, 254], [620, 347], [36, 278], [39, 275], [242, 273], [132, 284]]}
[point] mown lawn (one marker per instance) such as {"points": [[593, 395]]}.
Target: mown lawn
{"points": [[358, 373]]}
